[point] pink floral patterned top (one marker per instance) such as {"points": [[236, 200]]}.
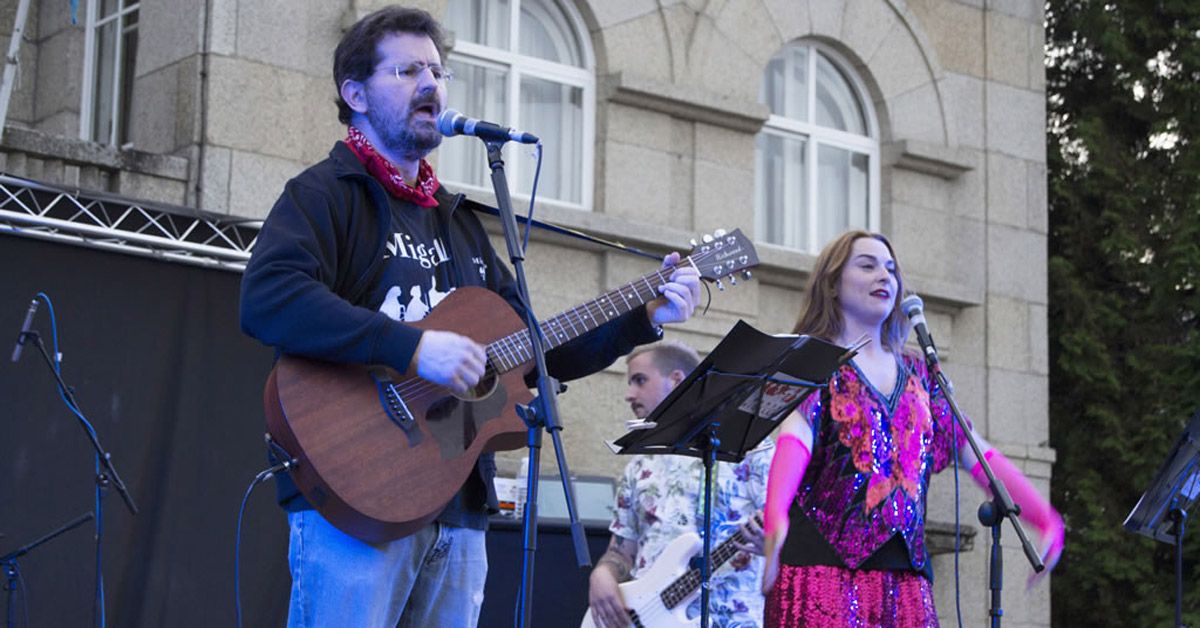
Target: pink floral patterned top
{"points": [[873, 457]]}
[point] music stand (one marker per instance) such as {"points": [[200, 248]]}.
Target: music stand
{"points": [[1162, 510], [729, 403]]}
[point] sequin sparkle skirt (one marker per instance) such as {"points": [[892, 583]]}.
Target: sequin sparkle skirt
{"points": [[834, 597]]}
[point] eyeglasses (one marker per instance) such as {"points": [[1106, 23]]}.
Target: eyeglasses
{"points": [[412, 72]]}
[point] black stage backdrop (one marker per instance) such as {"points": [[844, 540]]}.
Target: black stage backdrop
{"points": [[174, 390]]}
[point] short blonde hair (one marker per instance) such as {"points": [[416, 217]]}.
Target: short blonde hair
{"points": [[668, 356]]}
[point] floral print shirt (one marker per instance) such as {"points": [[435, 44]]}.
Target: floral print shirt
{"points": [[661, 497]]}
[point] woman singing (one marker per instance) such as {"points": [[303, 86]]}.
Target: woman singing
{"points": [[845, 508]]}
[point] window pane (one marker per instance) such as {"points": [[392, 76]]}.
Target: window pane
{"points": [[837, 105], [128, 64], [554, 112], [483, 22], [785, 85], [842, 191], [546, 34], [482, 93], [780, 189], [102, 100]]}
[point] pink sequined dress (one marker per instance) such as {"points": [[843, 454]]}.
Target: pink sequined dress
{"points": [[855, 553]]}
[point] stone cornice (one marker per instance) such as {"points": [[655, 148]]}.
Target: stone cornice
{"points": [[683, 102]]}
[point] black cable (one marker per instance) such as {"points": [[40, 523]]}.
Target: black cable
{"points": [[262, 476]]}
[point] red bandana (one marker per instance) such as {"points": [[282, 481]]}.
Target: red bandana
{"points": [[386, 173]]}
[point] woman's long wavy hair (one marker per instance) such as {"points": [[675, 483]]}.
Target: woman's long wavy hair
{"points": [[821, 316]]}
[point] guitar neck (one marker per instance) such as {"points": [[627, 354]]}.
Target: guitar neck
{"points": [[685, 585], [516, 349]]}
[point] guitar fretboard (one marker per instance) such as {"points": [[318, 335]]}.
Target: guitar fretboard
{"points": [[515, 349], [684, 585]]}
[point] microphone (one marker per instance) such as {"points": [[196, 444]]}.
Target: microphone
{"points": [[914, 308], [450, 123], [33, 308]]}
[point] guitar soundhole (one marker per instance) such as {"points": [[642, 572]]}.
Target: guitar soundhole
{"points": [[486, 386]]}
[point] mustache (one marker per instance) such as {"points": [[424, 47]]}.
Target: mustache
{"points": [[420, 100]]}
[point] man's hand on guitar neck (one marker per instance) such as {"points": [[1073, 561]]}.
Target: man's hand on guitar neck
{"points": [[679, 295], [449, 359]]}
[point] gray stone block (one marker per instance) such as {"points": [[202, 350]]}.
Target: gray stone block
{"points": [[145, 187], [955, 31], [609, 13], [899, 66], [962, 97], [790, 18], [153, 122], [1008, 50], [724, 147], [223, 24], [243, 94], [1007, 190], [60, 66], [722, 196], [303, 42], [865, 26], [917, 115], [633, 182], [1039, 336], [168, 31], [1018, 404], [1016, 123], [718, 64], [827, 16], [1016, 264], [1037, 203], [215, 179], [1008, 334], [256, 180], [748, 26], [638, 46]]}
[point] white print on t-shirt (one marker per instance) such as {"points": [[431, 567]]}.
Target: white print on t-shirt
{"points": [[412, 307], [401, 245]]}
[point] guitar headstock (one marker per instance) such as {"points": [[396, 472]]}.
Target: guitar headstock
{"points": [[721, 255]]}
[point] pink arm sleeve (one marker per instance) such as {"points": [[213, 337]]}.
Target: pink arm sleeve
{"points": [[787, 469], [1034, 508]]}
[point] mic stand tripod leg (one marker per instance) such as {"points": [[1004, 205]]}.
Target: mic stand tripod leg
{"points": [[990, 516], [710, 460]]}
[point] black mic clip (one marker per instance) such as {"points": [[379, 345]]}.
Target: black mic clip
{"points": [[25, 330]]}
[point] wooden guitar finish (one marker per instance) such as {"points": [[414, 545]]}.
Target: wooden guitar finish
{"points": [[380, 454]]}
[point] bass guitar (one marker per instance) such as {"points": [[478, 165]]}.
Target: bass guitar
{"points": [[661, 596], [380, 453]]}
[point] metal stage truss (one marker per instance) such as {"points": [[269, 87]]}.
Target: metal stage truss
{"points": [[110, 222]]}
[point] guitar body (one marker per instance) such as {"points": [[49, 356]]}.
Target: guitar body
{"points": [[643, 597], [380, 474]]}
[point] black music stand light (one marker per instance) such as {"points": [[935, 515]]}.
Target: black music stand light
{"points": [[729, 403]]}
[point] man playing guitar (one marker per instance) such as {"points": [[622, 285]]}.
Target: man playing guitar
{"points": [[356, 249], [658, 500]]}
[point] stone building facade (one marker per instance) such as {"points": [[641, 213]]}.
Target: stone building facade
{"points": [[222, 101]]}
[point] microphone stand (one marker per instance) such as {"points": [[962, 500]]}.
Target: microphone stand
{"points": [[542, 412], [106, 473], [11, 572], [991, 513]]}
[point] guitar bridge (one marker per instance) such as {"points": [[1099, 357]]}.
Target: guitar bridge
{"points": [[393, 405]]}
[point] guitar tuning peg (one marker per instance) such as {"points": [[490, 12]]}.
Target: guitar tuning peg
{"points": [[746, 275], [720, 233], [707, 238], [692, 242], [720, 286], [733, 280]]}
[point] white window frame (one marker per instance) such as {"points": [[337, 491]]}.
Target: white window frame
{"points": [[518, 66], [814, 136], [93, 24]]}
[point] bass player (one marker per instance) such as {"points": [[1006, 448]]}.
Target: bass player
{"points": [[659, 498]]}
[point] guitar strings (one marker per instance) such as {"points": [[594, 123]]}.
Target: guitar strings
{"points": [[518, 343]]}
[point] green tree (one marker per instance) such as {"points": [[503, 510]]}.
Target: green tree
{"points": [[1123, 98]]}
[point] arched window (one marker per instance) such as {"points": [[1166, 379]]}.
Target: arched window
{"points": [[527, 64], [817, 156]]}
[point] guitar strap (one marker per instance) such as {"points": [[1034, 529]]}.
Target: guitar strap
{"points": [[559, 229]]}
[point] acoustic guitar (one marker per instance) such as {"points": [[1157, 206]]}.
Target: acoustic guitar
{"points": [[381, 453]]}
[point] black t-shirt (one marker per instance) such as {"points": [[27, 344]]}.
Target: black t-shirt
{"points": [[418, 273]]}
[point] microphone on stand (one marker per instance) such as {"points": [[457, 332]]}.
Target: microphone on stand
{"points": [[451, 122], [25, 327], [914, 308]]}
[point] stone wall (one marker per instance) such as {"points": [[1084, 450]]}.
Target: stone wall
{"points": [[238, 100]]}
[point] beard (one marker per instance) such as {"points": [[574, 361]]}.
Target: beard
{"points": [[397, 129]]}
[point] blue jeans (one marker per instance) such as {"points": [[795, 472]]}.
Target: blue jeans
{"points": [[433, 577]]}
